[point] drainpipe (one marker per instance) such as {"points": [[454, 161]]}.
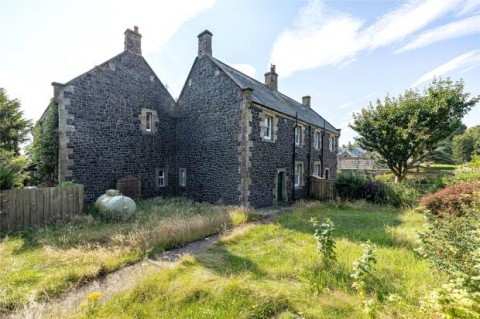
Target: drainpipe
{"points": [[293, 158], [321, 153], [309, 157]]}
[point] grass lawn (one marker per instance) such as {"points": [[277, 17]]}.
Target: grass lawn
{"points": [[40, 264], [274, 271]]}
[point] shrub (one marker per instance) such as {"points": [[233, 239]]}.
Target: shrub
{"points": [[452, 244], [350, 186], [453, 200], [12, 170]]}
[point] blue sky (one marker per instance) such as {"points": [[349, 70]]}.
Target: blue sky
{"points": [[342, 53]]}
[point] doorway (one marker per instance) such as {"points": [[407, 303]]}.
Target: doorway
{"points": [[280, 186]]}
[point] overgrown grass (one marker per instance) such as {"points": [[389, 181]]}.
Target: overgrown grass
{"points": [[274, 271], [42, 263]]}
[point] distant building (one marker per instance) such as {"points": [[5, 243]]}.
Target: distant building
{"points": [[355, 158]]}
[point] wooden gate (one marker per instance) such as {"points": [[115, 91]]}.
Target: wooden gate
{"points": [[130, 186], [322, 188]]}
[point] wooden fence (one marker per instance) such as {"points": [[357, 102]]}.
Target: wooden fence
{"points": [[322, 188], [25, 208]]}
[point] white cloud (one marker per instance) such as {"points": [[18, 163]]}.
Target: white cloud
{"points": [[67, 45], [323, 37], [452, 30], [245, 68], [462, 63], [469, 7], [319, 38], [406, 20]]}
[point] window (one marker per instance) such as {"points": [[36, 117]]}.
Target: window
{"points": [[298, 135], [317, 168], [317, 140], [148, 123], [327, 173], [298, 174], [330, 143], [161, 177], [268, 121], [183, 177]]}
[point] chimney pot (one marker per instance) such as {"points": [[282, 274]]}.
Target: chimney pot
{"points": [[271, 78], [306, 100], [133, 41], [205, 43]]}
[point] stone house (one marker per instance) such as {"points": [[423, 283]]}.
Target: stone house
{"points": [[355, 158], [228, 138]]}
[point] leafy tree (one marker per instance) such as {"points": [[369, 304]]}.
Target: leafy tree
{"points": [[407, 129], [443, 153], [12, 169], [466, 145], [14, 129], [45, 144]]}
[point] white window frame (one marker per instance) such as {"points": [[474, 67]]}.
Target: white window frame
{"points": [[330, 143], [317, 168], [298, 135], [298, 174], [149, 122], [182, 177], [268, 127], [317, 140], [161, 176]]}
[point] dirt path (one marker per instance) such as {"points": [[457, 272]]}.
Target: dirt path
{"points": [[127, 277]]}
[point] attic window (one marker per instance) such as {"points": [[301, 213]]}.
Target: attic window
{"points": [[148, 123]]}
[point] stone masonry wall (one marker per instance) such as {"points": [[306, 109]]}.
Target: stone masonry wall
{"points": [[208, 134], [106, 137], [270, 157]]}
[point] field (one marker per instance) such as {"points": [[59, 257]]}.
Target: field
{"points": [[273, 270], [40, 264]]}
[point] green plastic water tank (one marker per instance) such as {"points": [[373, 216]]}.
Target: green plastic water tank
{"points": [[114, 206]]}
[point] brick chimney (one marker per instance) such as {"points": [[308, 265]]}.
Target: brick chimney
{"points": [[205, 43], [306, 100], [271, 78], [133, 41]]}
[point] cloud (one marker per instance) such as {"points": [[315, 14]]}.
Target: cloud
{"points": [[245, 68], [324, 37], [462, 63], [321, 37], [452, 30]]}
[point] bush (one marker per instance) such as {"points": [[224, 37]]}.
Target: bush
{"points": [[454, 200], [350, 186], [12, 170]]}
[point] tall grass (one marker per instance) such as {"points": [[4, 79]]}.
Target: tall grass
{"points": [[274, 271], [40, 264]]}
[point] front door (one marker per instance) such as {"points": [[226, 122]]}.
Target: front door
{"points": [[280, 184]]}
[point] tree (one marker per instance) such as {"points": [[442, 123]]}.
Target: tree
{"points": [[14, 129], [466, 145], [407, 129], [44, 148], [443, 153]]}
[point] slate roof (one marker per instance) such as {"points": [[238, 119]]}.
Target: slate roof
{"points": [[352, 151], [275, 100]]}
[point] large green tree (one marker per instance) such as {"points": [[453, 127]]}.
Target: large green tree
{"points": [[407, 129], [466, 145], [14, 128]]}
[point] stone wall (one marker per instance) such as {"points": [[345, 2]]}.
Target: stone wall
{"points": [[268, 158], [208, 134], [104, 140]]}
